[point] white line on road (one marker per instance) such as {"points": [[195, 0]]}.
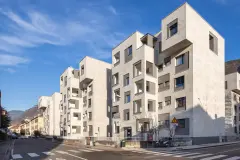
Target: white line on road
{"points": [[189, 154], [74, 151], [214, 157], [16, 156], [48, 153], [84, 150], [233, 158], [93, 149], [199, 156], [228, 151], [33, 154], [62, 152]]}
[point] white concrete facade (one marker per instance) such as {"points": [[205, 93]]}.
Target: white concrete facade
{"points": [[95, 93], [70, 109], [232, 101], [51, 113], [180, 74]]}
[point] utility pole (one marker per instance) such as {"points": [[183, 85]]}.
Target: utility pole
{"points": [[0, 109]]}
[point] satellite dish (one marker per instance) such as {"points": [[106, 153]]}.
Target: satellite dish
{"points": [[238, 69]]}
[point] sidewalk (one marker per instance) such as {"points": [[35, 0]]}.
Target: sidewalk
{"points": [[203, 146], [5, 149]]}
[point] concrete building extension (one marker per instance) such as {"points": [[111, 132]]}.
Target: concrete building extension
{"points": [[178, 72], [95, 95], [50, 109], [232, 97], [70, 109]]}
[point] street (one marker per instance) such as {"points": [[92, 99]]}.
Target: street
{"points": [[41, 149]]}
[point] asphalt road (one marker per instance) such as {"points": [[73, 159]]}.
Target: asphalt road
{"points": [[41, 149]]}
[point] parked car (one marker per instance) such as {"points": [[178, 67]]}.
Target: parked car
{"points": [[14, 136], [23, 137]]}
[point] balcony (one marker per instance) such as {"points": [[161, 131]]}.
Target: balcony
{"points": [[73, 93], [139, 87], [43, 102], [137, 106], [85, 78], [116, 116], [137, 69]]}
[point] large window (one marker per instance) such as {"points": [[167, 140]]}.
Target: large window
{"points": [[126, 79], [181, 102], [128, 54], [160, 105], [179, 82], [180, 60], [168, 101], [213, 43], [167, 61], [127, 97], [126, 114], [172, 28]]}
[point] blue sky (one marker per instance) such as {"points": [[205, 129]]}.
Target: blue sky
{"points": [[39, 39]]}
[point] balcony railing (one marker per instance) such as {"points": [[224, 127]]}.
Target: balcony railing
{"points": [[116, 115], [90, 93]]}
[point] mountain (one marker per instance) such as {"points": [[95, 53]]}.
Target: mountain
{"points": [[14, 114], [28, 114]]}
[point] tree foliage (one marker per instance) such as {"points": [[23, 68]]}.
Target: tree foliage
{"points": [[5, 120], [22, 132]]}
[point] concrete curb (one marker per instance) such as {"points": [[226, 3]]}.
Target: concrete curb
{"points": [[205, 146]]}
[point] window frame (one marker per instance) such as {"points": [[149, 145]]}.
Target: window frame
{"points": [[171, 27], [183, 101], [182, 80], [182, 56]]}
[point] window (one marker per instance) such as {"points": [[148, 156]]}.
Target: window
{"points": [[160, 85], [116, 58], [64, 97], [179, 82], [213, 43], [166, 83], [89, 116], [117, 129], [82, 70], [235, 97], [172, 28], [167, 61], [181, 102], [167, 100], [126, 79], [65, 81], [181, 123], [226, 85], [127, 97], [126, 114], [128, 54], [180, 60], [160, 67], [129, 51], [115, 79], [160, 106], [89, 102]]}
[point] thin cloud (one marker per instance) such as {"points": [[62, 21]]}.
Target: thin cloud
{"points": [[112, 9], [10, 70], [9, 60]]}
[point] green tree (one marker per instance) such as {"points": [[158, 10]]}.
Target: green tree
{"points": [[22, 132], [37, 133], [5, 119]]}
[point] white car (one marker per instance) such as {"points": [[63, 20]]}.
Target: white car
{"points": [[23, 137]]}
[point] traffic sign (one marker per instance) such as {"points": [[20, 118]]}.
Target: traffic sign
{"points": [[175, 120]]}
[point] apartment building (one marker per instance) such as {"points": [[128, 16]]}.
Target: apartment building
{"points": [[50, 109], [29, 125], [232, 97], [178, 72], [70, 109], [95, 93]]}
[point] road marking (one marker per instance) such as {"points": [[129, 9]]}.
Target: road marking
{"points": [[62, 152], [214, 157], [189, 154], [48, 153], [233, 158], [199, 156], [16, 156], [74, 151], [229, 151], [93, 149], [33, 154], [84, 150]]}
